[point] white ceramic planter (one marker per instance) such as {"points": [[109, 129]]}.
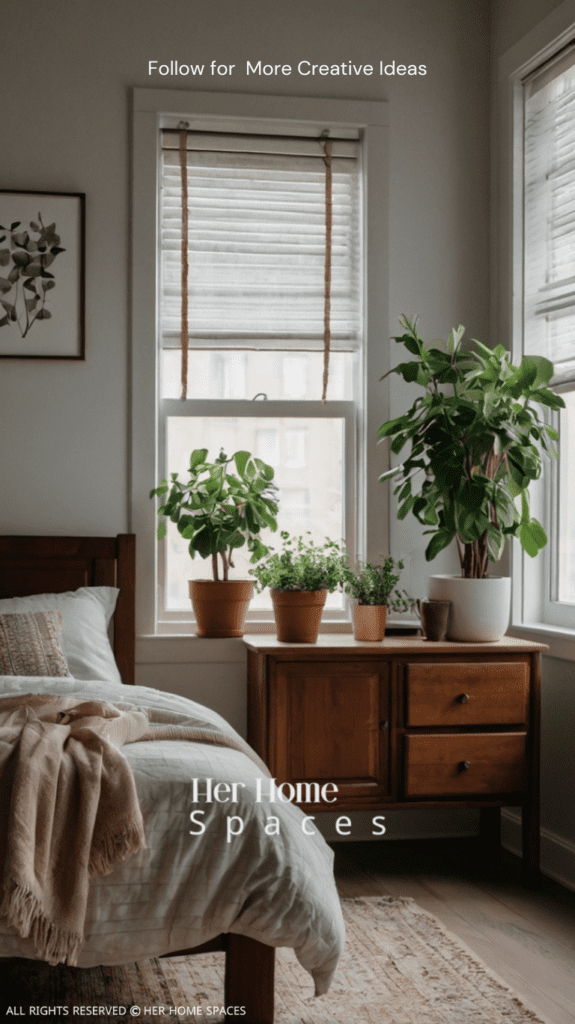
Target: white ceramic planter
{"points": [[479, 608]]}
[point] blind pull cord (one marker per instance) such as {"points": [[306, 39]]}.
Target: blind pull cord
{"points": [[327, 145], [184, 332]]}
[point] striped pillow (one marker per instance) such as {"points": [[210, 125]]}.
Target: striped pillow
{"points": [[29, 644]]}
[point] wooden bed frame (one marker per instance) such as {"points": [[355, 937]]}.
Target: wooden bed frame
{"points": [[38, 565]]}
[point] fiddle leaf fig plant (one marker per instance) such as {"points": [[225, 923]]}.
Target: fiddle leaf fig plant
{"points": [[217, 510], [477, 437]]}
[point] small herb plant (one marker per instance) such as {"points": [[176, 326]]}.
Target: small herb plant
{"points": [[476, 445], [302, 565], [369, 583], [217, 510]]}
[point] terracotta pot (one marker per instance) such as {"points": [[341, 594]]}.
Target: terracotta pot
{"points": [[369, 621], [298, 614], [220, 608]]}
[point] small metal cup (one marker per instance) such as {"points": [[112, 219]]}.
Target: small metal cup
{"points": [[434, 616]]}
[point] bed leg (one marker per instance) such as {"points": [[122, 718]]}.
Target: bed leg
{"points": [[250, 978]]}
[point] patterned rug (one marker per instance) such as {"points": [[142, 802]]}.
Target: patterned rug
{"points": [[400, 966]]}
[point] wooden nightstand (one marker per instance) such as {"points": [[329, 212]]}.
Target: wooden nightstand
{"points": [[403, 723]]}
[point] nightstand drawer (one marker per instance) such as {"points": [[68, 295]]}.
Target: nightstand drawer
{"points": [[467, 693], [464, 764]]}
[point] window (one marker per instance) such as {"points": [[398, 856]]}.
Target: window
{"points": [[548, 317], [256, 224]]}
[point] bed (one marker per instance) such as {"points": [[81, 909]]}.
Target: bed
{"points": [[242, 895]]}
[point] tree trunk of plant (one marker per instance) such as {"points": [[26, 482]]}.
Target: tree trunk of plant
{"points": [[474, 559], [215, 567]]}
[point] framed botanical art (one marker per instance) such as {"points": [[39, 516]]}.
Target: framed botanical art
{"points": [[42, 272]]}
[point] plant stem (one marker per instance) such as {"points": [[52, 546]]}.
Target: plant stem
{"points": [[215, 567], [225, 564]]}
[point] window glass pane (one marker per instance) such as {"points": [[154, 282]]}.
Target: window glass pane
{"points": [[229, 373], [307, 455], [566, 546], [549, 216]]}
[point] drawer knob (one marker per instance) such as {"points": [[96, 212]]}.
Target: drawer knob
{"points": [[384, 726], [463, 698], [464, 765]]}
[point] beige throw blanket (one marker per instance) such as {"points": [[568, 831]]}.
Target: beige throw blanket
{"points": [[69, 808]]}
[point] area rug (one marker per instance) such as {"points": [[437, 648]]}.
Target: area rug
{"points": [[400, 966]]}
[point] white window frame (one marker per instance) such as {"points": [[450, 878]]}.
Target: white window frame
{"points": [[535, 614], [157, 108]]}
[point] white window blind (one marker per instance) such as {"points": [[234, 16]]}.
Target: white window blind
{"points": [[256, 247], [549, 213]]}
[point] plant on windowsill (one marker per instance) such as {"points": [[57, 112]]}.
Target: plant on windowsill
{"points": [[477, 440], [300, 579], [372, 586], [217, 511]]}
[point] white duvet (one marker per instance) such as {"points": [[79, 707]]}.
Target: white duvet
{"points": [[185, 888]]}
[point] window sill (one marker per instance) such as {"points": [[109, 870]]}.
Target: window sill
{"points": [[187, 647], [561, 642]]}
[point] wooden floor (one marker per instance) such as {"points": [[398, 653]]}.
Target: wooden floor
{"points": [[526, 937]]}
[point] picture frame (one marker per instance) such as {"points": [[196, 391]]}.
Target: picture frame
{"points": [[42, 275]]}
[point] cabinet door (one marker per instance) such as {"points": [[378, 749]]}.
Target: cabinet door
{"points": [[332, 725]]}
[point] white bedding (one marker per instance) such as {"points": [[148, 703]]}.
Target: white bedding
{"points": [[185, 889]]}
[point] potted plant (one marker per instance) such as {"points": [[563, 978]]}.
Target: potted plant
{"points": [[476, 444], [300, 579], [217, 511], [371, 585]]}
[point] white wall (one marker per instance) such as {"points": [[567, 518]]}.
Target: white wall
{"points": [[64, 125]]}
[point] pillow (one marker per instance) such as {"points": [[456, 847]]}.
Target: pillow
{"points": [[29, 645], [85, 616]]}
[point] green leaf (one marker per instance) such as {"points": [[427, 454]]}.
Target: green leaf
{"points": [[392, 426], [198, 457], [187, 526], [528, 541], [389, 473], [241, 460], [438, 542], [406, 507], [543, 368], [409, 371], [266, 471], [4, 257], [251, 520], [162, 529], [548, 398], [398, 443], [405, 490], [538, 533]]}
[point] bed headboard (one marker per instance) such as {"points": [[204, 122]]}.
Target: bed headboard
{"points": [[39, 565]]}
